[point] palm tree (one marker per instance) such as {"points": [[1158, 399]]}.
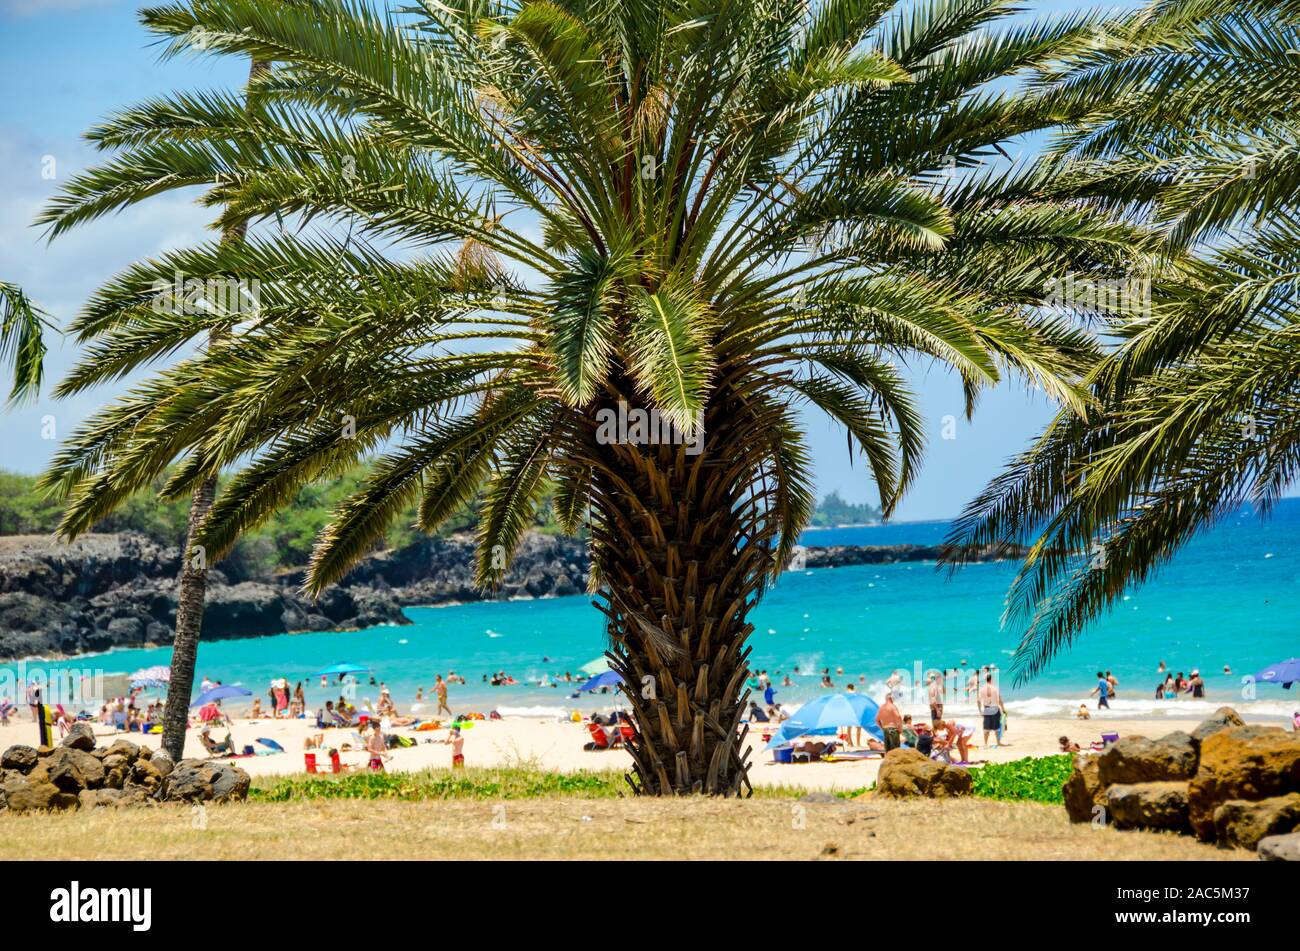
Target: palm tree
{"points": [[565, 212], [159, 155], [1198, 406]]}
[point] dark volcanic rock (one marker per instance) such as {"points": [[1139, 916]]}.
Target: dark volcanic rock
{"points": [[107, 591], [21, 758], [80, 737]]}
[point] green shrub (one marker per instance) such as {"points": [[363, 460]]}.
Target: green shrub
{"points": [[1032, 779]]}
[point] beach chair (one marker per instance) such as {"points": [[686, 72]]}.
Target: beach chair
{"points": [[309, 759], [336, 764], [818, 752], [599, 739]]}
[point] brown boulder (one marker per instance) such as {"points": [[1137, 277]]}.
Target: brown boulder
{"points": [[73, 770], [1083, 791], [135, 796], [1224, 718], [145, 774], [1136, 759], [231, 785], [24, 795], [123, 748], [80, 737], [1247, 762], [95, 798], [1241, 824], [19, 757], [908, 773], [1161, 805]]}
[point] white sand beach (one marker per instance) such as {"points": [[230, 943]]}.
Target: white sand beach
{"points": [[553, 745]]}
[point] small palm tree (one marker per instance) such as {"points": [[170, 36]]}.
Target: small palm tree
{"points": [[160, 163], [605, 246], [1198, 407]]}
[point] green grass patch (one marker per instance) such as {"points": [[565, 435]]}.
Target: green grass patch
{"points": [[1032, 779], [504, 783], [440, 784]]}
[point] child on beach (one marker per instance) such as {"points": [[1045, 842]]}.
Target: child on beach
{"points": [[457, 748], [376, 748], [1068, 747], [1082, 713]]}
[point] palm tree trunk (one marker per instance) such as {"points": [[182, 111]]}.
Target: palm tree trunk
{"points": [[683, 555], [191, 592], [192, 588]]}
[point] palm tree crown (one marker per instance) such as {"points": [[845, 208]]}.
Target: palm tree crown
{"points": [[560, 209], [1197, 406]]}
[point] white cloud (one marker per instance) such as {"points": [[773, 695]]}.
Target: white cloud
{"points": [[60, 276]]}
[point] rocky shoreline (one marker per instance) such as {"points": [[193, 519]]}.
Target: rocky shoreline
{"points": [[112, 591]]}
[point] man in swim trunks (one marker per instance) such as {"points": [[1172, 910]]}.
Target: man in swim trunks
{"points": [[890, 721], [457, 748], [991, 708], [440, 688], [936, 697]]}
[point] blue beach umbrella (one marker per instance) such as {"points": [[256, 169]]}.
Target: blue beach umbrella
{"points": [[342, 669], [826, 714], [608, 679], [1284, 672], [220, 692]]}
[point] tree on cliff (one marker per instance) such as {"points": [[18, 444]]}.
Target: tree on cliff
{"points": [[612, 243]]}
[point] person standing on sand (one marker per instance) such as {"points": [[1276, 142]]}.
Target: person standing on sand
{"points": [[376, 748], [890, 721], [457, 748], [34, 701], [936, 697], [1102, 690], [440, 688], [991, 707]]}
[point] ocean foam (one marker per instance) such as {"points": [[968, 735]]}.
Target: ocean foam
{"points": [[1148, 709]]}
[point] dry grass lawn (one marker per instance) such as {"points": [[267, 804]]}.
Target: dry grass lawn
{"points": [[583, 828]]}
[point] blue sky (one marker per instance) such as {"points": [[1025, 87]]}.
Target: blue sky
{"points": [[65, 64]]}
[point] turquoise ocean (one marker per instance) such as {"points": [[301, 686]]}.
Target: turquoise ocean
{"points": [[1232, 597]]}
